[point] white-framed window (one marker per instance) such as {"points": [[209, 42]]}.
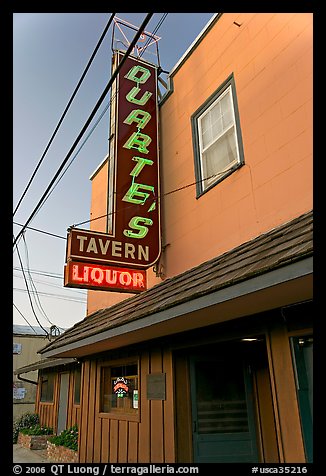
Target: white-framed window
{"points": [[217, 139]]}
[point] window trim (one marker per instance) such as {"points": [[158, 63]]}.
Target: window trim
{"points": [[45, 378], [302, 389], [117, 415], [229, 82], [75, 388]]}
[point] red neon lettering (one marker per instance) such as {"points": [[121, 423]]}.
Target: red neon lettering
{"points": [[100, 276], [98, 279], [125, 279], [111, 277], [120, 385]]}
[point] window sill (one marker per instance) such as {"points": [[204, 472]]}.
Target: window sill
{"points": [[219, 180], [119, 416]]}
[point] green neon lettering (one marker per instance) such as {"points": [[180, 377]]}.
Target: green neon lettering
{"points": [[134, 195], [141, 164], [132, 74], [138, 141], [135, 116], [152, 207], [141, 230], [142, 101]]}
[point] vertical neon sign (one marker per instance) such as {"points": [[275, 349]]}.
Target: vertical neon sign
{"points": [[134, 237], [137, 180]]}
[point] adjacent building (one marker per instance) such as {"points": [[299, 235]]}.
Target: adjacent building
{"points": [[213, 362], [27, 341]]}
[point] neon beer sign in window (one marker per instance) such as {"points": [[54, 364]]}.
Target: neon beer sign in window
{"points": [[134, 225]]}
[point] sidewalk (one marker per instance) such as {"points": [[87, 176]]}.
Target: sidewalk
{"points": [[24, 455]]}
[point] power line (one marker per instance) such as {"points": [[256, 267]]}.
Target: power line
{"points": [[183, 187], [74, 157], [56, 296], [29, 295], [41, 273], [45, 283], [24, 318], [163, 17], [65, 111], [40, 231], [99, 102], [37, 298], [99, 119]]}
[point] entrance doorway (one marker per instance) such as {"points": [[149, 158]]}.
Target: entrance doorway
{"points": [[63, 402], [222, 407]]}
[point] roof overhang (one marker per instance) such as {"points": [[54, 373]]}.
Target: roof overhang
{"points": [[44, 364], [281, 287]]}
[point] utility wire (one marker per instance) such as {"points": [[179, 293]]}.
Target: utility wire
{"points": [[37, 298], [159, 198], [79, 149], [163, 17], [24, 318], [41, 273], [41, 231], [99, 102], [56, 296], [57, 286], [29, 295], [183, 187], [101, 115], [65, 111]]}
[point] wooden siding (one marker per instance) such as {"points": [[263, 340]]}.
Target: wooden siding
{"points": [[48, 411], [184, 448], [290, 442], [105, 438], [161, 432]]}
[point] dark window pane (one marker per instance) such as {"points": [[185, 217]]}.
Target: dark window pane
{"points": [[221, 399]]}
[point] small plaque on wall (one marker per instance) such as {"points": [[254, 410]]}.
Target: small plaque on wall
{"points": [[156, 386]]}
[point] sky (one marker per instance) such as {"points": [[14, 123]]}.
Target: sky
{"points": [[50, 53]]}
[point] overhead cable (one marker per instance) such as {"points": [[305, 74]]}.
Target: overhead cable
{"points": [[99, 102], [40, 231], [52, 295], [98, 120], [24, 318], [183, 187], [41, 273], [29, 295], [36, 295], [65, 111]]}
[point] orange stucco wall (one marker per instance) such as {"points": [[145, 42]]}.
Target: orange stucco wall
{"points": [[270, 56]]}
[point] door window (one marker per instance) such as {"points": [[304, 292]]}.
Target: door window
{"points": [[221, 398], [303, 364], [222, 407]]}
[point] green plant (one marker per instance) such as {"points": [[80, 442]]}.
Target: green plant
{"points": [[67, 438], [37, 430], [26, 420]]}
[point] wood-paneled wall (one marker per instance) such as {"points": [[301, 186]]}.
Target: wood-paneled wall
{"points": [[108, 439], [48, 411]]}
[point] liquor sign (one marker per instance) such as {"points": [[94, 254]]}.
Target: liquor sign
{"points": [[101, 277], [134, 239]]}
